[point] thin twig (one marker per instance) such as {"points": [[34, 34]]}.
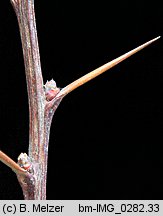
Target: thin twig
{"points": [[102, 69], [10, 163]]}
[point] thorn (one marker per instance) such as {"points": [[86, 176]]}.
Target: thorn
{"points": [[72, 86], [10, 163]]}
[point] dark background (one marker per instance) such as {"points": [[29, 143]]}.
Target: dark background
{"points": [[107, 136]]}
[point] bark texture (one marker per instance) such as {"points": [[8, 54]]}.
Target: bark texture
{"points": [[40, 110]]}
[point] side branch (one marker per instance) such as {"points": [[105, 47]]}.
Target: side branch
{"points": [[10, 163], [72, 86]]}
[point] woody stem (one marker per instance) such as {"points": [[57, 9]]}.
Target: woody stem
{"points": [[24, 10]]}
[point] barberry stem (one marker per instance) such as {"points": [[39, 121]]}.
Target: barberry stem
{"points": [[24, 10], [41, 110]]}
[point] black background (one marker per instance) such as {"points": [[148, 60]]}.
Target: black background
{"points": [[107, 136]]}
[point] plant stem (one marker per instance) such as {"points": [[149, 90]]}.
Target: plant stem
{"points": [[24, 10], [26, 18], [41, 110]]}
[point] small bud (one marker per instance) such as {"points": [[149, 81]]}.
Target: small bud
{"points": [[24, 161], [51, 90]]}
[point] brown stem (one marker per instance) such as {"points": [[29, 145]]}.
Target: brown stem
{"points": [[26, 18], [42, 105], [24, 10], [40, 111], [72, 86]]}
